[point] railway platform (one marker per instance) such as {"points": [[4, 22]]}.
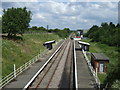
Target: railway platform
{"points": [[84, 76], [26, 76]]}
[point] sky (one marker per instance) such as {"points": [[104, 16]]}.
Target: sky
{"points": [[73, 14]]}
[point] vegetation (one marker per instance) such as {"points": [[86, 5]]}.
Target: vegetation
{"points": [[0, 25], [20, 51], [61, 33], [106, 39], [110, 51], [102, 77], [37, 29], [15, 21], [105, 34], [0, 49]]}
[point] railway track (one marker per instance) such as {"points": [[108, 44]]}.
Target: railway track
{"points": [[67, 78], [65, 69], [51, 75]]}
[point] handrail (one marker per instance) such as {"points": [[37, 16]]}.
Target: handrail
{"points": [[4, 81], [19, 70], [91, 69], [40, 70]]}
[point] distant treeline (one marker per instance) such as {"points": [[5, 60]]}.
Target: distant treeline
{"points": [[13, 23], [106, 33], [61, 33]]}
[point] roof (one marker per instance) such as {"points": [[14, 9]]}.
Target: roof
{"points": [[50, 42], [80, 42], [100, 56], [77, 36]]}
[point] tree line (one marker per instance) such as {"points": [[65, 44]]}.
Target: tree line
{"points": [[16, 21], [63, 33], [106, 33]]}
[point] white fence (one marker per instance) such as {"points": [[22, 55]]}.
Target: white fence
{"points": [[19, 70], [91, 68]]}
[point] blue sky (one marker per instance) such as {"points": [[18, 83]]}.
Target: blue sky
{"points": [[70, 14]]}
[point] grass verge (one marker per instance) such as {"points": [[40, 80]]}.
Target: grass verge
{"points": [[20, 51], [110, 51]]}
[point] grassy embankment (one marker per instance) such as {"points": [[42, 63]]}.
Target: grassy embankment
{"points": [[110, 51], [20, 51]]}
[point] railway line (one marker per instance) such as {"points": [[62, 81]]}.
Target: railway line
{"points": [[67, 77], [66, 68], [52, 74]]}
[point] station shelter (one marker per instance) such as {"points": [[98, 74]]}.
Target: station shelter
{"points": [[99, 62]]}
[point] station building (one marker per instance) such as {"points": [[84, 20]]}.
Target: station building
{"points": [[99, 62]]}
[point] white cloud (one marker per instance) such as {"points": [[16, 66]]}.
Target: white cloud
{"points": [[60, 0], [72, 0], [93, 0], [20, 0], [73, 15], [112, 5], [60, 8], [39, 16], [96, 6], [55, 7], [80, 15]]}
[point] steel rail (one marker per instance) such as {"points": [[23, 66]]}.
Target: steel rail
{"points": [[68, 65], [51, 64], [57, 66], [41, 69]]}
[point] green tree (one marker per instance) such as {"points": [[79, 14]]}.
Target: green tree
{"points": [[42, 28], [106, 33], [15, 21], [34, 28], [118, 25], [92, 31], [0, 25], [67, 29]]}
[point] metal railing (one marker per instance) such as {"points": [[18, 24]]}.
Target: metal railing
{"points": [[44, 65], [4, 81], [91, 69]]}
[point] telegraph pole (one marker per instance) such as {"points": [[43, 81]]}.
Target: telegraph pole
{"points": [[119, 12], [47, 27]]}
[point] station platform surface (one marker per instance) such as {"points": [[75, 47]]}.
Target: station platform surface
{"points": [[85, 77]]}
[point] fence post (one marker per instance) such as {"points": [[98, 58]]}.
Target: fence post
{"points": [[25, 66], [96, 72], [14, 71], [29, 62], [32, 60], [36, 58], [96, 76], [21, 69]]}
